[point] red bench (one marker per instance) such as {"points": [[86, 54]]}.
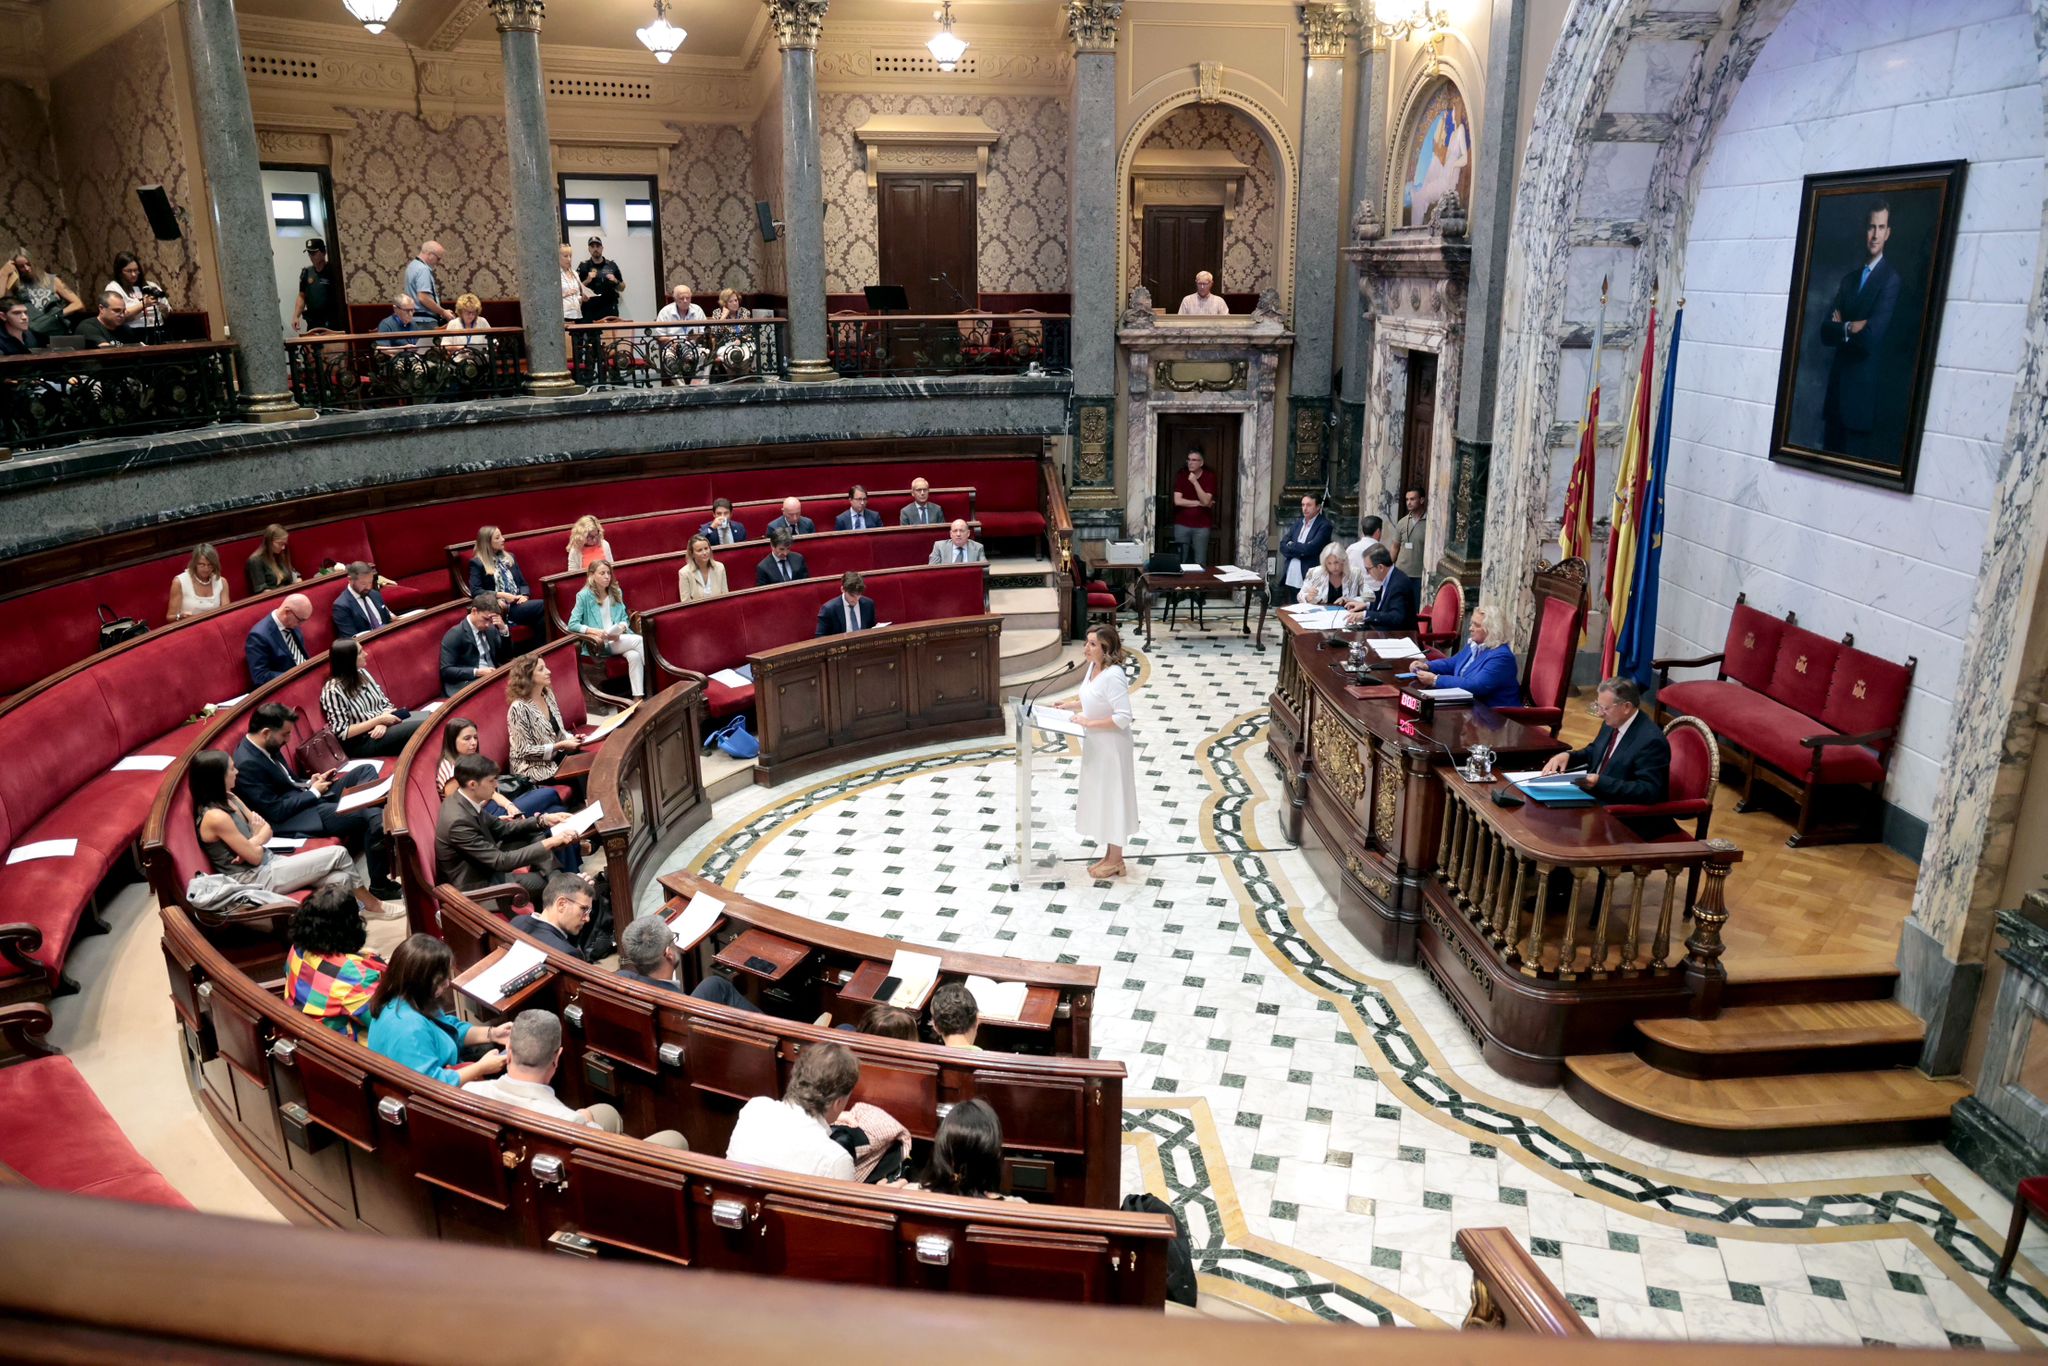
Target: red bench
{"points": [[1800, 711], [58, 1136]]}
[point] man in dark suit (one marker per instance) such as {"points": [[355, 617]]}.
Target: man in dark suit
{"points": [[275, 644], [648, 954], [1301, 549], [723, 528], [793, 520], [309, 806], [1856, 330], [921, 510], [857, 517], [475, 645], [1395, 606], [780, 564], [1629, 761], [472, 850], [850, 611], [562, 915], [360, 607]]}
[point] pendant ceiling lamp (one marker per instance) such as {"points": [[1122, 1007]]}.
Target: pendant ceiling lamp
{"points": [[945, 46], [371, 14], [661, 37]]}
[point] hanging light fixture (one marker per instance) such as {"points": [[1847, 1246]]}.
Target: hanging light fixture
{"points": [[661, 37], [371, 14], [945, 46]]}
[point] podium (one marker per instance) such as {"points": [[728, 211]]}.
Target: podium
{"points": [[1029, 724]]}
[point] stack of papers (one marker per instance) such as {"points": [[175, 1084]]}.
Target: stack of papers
{"points": [[997, 1000], [23, 853], [363, 796], [1194, 568], [1318, 618], [488, 986], [741, 677], [1395, 649], [916, 974], [609, 724], [1447, 694], [582, 820], [696, 921], [1237, 573]]}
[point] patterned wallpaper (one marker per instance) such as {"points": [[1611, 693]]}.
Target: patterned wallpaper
{"points": [[766, 179], [31, 197], [400, 180], [1248, 242], [708, 237], [1022, 211]]}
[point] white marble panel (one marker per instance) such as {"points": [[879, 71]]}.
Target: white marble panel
{"points": [[1617, 177], [1651, 76], [1583, 273], [1973, 127], [1903, 74], [1999, 55]]}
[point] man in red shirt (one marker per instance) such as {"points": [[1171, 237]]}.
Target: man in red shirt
{"points": [[1194, 511]]}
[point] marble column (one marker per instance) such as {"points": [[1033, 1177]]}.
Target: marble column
{"points": [[535, 217], [797, 23], [1354, 320], [1318, 218], [1091, 241], [241, 219]]}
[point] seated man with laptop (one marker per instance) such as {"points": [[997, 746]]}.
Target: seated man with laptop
{"points": [[1629, 761]]}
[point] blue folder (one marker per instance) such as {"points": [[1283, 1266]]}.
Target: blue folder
{"points": [[1557, 794]]}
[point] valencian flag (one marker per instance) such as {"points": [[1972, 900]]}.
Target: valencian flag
{"points": [[1576, 536], [1638, 644], [1628, 504]]}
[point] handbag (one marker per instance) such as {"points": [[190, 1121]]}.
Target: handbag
{"points": [[114, 630], [513, 786], [321, 752], [734, 740]]}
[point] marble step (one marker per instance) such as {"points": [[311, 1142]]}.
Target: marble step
{"points": [[725, 775], [1033, 609], [1016, 681], [1777, 1040], [1029, 648], [1019, 572]]}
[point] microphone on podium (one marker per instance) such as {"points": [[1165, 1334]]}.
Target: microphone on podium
{"points": [[1049, 678]]}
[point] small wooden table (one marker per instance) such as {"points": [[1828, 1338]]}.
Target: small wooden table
{"points": [[509, 1005], [784, 954], [1206, 582]]}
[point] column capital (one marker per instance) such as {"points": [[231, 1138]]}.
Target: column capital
{"points": [[518, 16], [797, 22], [1325, 29], [1091, 24]]}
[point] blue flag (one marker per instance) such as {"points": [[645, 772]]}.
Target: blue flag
{"points": [[1637, 645]]}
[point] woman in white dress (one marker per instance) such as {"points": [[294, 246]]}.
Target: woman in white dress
{"points": [[200, 587], [1108, 808]]}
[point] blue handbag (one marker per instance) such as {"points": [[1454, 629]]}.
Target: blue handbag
{"points": [[736, 741]]}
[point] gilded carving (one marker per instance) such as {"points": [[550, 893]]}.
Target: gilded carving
{"points": [[1480, 977], [1208, 82], [1372, 882], [1799, 666], [1325, 29], [1166, 376], [797, 22], [1092, 24], [1484, 1313], [1384, 806], [1308, 446], [517, 16], [1857, 691], [1335, 751], [1091, 466]]}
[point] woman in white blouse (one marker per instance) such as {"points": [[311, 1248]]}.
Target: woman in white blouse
{"points": [[199, 587], [469, 317], [573, 292], [1330, 583], [1107, 811], [702, 576]]}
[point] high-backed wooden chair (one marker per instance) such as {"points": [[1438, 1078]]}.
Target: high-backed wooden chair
{"points": [[1560, 593], [1440, 627]]}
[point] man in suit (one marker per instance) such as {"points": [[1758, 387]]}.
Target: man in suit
{"points": [[723, 528], [959, 547], [1629, 761], [780, 564], [566, 918], [920, 510], [793, 520], [1856, 330], [475, 645], [1301, 549], [275, 645], [850, 611], [857, 517], [472, 850], [360, 607], [648, 954], [1394, 607], [309, 806], [1485, 668]]}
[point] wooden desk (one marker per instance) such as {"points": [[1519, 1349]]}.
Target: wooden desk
{"points": [[784, 954], [1204, 583], [506, 1005], [1041, 1004]]}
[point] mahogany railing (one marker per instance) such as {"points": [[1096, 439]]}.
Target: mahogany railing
{"points": [[1510, 1292], [55, 397], [344, 370], [628, 355], [948, 343]]}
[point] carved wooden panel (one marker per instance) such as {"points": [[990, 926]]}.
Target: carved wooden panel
{"points": [[1335, 749], [793, 708], [909, 1091], [952, 679], [457, 1153], [239, 1031], [630, 1207], [728, 1063], [871, 692], [1071, 1268], [337, 1096], [814, 1241], [620, 1029], [1044, 1114]]}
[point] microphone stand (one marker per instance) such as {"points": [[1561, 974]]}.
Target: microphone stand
{"points": [[1049, 678]]}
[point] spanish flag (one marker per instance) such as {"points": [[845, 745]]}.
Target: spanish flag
{"points": [[1626, 516]]}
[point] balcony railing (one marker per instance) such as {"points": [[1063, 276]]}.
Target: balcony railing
{"points": [[665, 355], [56, 397], [948, 344], [343, 370]]}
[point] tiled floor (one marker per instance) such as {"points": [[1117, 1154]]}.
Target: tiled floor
{"points": [[1318, 1116]]}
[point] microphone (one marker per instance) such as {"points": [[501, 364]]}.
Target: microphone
{"points": [[959, 300], [1049, 678]]}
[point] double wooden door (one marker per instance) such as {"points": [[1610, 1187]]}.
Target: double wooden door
{"points": [[925, 240], [1178, 241]]}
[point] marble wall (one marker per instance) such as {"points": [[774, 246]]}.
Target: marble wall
{"points": [[400, 180], [708, 235], [1022, 210], [1251, 239], [1842, 85], [31, 195]]}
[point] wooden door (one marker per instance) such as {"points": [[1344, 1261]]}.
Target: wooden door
{"points": [[1215, 436], [1179, 241], [925, 236], [1418, 425]]}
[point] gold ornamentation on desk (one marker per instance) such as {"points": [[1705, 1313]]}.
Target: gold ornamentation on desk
{"points": [[1371, 881], [1335, 751], [1092, 464], [1383, 808], [1192, 376]]}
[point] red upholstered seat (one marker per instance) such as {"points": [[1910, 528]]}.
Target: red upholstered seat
{"points": [[1771, 730], [1690, 787], [1440, 624], [726, 702], [1866, 694], [1805, 668], [59, 1137], [1750, 655]]}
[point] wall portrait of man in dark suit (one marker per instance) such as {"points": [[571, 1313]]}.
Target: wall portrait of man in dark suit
{"points": [[1869, 278]]}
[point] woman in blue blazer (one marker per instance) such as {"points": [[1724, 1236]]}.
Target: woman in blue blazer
{"points": [[1484, 669]]}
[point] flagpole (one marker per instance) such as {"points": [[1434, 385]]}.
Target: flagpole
{"points": [[1599, 339]]}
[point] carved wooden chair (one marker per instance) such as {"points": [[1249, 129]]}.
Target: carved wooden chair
{"points": [[1560, 593]]}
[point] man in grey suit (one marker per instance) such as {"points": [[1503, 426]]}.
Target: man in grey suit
{"points": [[472, 851], [958, 548], [920, 510]]}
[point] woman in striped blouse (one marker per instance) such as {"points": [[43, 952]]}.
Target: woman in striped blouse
{"points": [[536, 739], [357, 711]]}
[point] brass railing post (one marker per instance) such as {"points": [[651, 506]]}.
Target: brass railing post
{"points": [[1532, 950]]}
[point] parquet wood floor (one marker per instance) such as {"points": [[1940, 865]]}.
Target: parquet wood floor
{"points": [[1796, 913]]}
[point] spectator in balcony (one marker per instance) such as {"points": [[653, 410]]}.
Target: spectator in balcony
{"points": [[412, 1024], [474, 849], [857, 516], [601, 618], [199, 587], [310, 806], [587, 543], [360, 606], [460, 739], [679, 310], [104, 328], [851, 611], [794, 1134], [322, 304], [270, 565], [780, 564], [536, 739], [145, 301], [921, 510], [728, 306], [327, 975], [955, 1017], [275, 645], [532, 1055], [573, 292], [17, 338], [51, 303], [475, 645], [233, 837], [793, 520], [493, 570], [702, 576], [723, 528], [425, 290], [1204, 302], [648, 953], [358, 710], [469, 317], [604, 280], [959, 547], [403, 321]]}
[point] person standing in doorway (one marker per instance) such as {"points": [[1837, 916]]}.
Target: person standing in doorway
{"points": [[1194, 511], [1409, 530]]}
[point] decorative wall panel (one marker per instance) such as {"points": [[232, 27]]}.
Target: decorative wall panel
{"points": [[708, 235], [31, 197], [400, 180], [1251, 234]]}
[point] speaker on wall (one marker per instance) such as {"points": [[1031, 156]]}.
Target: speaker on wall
{"points": [[767, 217], [163, 219]]}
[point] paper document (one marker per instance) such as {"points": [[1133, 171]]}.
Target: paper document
{"points": [[880, 624], [144, 763], [916, 974], [488, 986], [1395, 649], [1302, 609], [582, 820], [23, 853], [696, 920], [1193, 569], [998, 1000], [1294, 573], [1447, 694], [1053, 719], [732, 678], [1322, 619], [407, 616], [1236, 573], [284, 844], [223, 706], [432, 706], [364, 797], [610, 723], [1525, 776]]}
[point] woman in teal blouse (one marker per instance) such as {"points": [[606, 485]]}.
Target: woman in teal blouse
{"points": [[600, 617], [410, 1022]]}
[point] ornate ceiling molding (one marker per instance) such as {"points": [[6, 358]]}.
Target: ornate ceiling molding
{"points": [[1325, 29], [1091, 24], [518, 16], [460, 20], [927, 144], [797, 22], [892, 57]]}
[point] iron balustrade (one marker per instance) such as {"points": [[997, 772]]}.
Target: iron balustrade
{"points": [[626, 355], [948, 343], [338, 370], [52, 398]]}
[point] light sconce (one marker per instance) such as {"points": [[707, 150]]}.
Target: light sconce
{"points": [[945, 46], [661, 37], [1422, 21]]}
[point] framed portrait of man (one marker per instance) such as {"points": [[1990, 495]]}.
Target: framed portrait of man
{"points": [[1869, 278]]}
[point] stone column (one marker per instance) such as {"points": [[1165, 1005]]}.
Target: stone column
{"points": [[241, 219], [533, 196], [1354, 319], [1091, 241], [1493, 205], [803, 187], [1318, 218]]}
